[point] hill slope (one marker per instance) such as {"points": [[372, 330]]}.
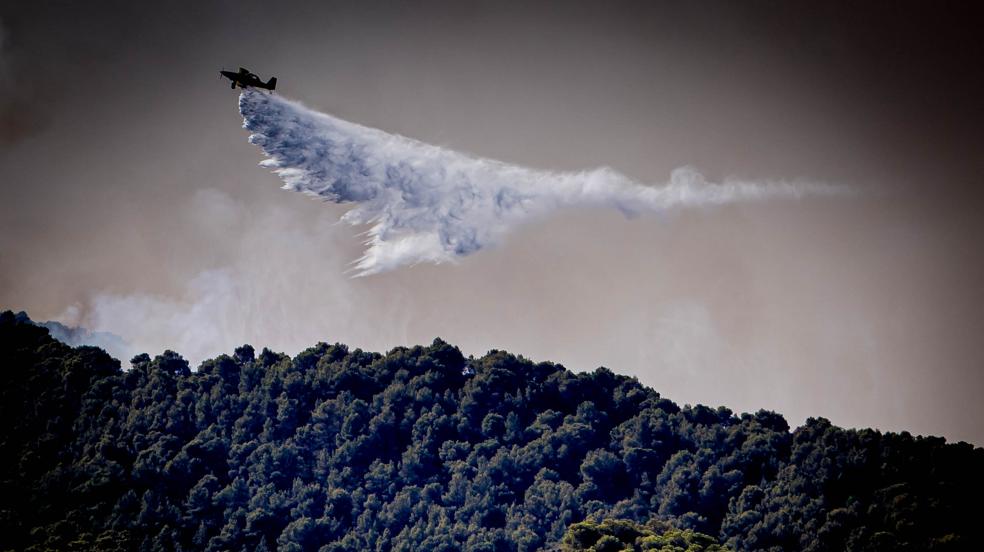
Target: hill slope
{"points": [[423, 449]]}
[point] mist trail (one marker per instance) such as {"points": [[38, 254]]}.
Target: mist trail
{"points": [[425, 203]]}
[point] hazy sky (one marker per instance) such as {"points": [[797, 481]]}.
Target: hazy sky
{"points": [[131, 202]]}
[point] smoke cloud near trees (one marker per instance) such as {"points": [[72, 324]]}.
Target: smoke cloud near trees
{"points": [[131, 201]]}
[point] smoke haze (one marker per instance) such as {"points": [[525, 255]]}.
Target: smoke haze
{"points": [[131, 202]]}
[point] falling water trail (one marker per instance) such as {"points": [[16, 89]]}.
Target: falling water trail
{"points": [[424, 203]]}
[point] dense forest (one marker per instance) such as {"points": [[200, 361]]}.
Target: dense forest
{"points": [[425, 449]]}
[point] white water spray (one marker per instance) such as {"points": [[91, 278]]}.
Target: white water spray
{"points": [[424, 203]]}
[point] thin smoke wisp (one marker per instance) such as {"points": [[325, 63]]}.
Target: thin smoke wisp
{"points": [[424, 203]]}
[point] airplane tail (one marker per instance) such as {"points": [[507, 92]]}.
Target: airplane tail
{"points": [[273, 83]]}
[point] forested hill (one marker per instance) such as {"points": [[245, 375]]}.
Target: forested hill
{"points": [[424, 449]]}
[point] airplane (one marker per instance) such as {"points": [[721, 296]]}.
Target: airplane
{"points": [[246, 79]]}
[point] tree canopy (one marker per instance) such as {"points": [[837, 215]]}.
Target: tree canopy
{"points": [[425, 449], [613, 535]]}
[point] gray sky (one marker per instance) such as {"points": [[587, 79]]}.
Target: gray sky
{"points": [[131, 202]]}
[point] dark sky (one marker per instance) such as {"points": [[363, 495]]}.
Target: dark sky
{"points": [[130, 201]]}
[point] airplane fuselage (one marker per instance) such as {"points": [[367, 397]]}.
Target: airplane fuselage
{"points": [[245, 79]]}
